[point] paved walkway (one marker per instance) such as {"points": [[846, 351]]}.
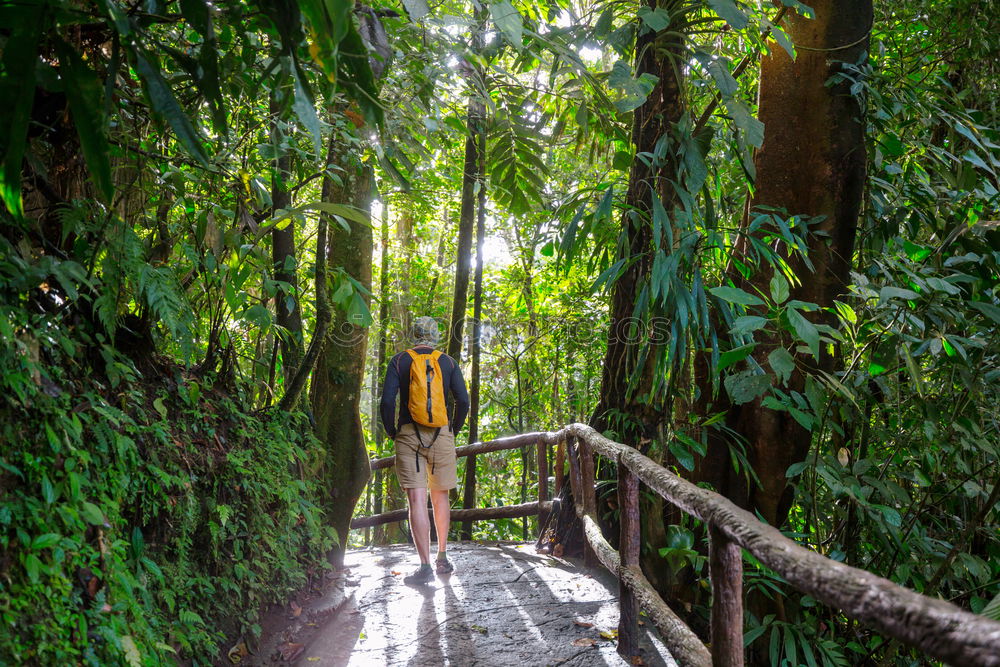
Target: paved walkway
{"points": [[503, 605]]}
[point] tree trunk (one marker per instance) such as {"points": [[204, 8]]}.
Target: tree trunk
{"points": [[469, 498], [467, 217], [378, 373], [626, 405], [812, 163], [339, 372], [287, 312]]}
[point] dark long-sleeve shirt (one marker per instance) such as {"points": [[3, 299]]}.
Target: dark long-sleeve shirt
{"points": [[399, 367]]}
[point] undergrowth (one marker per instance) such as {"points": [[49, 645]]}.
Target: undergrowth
{"points": [[143, 517]]}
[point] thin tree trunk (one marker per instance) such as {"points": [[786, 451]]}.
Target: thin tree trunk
{"points": [[469, 498], [379, 371], [470, 179], [288, 315]]}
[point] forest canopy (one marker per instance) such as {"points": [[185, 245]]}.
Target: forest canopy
{"points": [[759, 242]]}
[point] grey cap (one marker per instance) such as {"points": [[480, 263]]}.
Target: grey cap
{"points": [[425, 331]]}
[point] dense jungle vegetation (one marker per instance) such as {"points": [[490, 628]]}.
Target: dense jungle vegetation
{"points": [[758, 241]]}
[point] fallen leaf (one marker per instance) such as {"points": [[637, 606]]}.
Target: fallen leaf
{"points": [[480, 629], [558, 550], [313, 658], [395, 573], [584, 641], [583, 624], [610, 635], [296, 610], [641, 622], [289, 651], [238, 652]]}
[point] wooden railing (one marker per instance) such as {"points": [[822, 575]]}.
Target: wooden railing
{"points": [[938, 628]]}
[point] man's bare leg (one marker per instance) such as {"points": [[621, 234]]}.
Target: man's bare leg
{"points": [[420, 525], [442, 517]]}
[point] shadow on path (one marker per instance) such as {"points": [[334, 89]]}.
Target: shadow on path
{"points": [[503, 605]]}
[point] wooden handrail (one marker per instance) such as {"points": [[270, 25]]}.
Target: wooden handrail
{"points": [[940, 629]]}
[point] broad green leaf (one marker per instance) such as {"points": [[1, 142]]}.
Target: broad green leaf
{"points": [[747, 324], [736, 295], [730, 13], [796, 469], [508, 21], [305, 108], [655, 19], [804, 330], [779, 288], [782, 363], [84, 94], [730, 357], [990, 310], [17, 83], [162, 99], [746, 386], [887, 293], [751, 128], [46, 541], [636, 90], [33, 567], [92, 514]]}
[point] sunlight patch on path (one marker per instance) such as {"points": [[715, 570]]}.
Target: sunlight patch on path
{"points": [[503, 605]]}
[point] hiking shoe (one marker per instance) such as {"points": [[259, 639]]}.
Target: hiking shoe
{"points": [[422, 576], [444, 566]]}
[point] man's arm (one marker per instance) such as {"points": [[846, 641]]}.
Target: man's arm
{"points": [[387, 407], [457, 387]]}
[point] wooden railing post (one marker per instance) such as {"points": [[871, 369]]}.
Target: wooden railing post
{"points": [[574, 471], [543, 478], [560, 465], [725, 562], [589, 495], [629, 543]]}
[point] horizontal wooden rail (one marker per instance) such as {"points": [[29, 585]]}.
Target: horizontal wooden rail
{"points": [[475, 514], [510, 442], [940, 629]]}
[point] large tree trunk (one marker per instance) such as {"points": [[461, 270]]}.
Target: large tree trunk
{"points": [[812, 163], [339, 372], [626, 405]]}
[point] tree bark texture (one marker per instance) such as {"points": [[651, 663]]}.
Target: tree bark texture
{"points": [[466, 223], [284, 258], [626, 405], [812, 163], [469, 490], [339, 372]]}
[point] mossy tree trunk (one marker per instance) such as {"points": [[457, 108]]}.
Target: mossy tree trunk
{"points": [[339, 373]]}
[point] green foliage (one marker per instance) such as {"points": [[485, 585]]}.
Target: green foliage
{"points": [[136, 519]]}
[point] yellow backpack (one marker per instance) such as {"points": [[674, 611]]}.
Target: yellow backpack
{"points": [[426, 403]]}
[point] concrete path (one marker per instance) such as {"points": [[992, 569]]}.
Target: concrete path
{"points": [[503, 605]]}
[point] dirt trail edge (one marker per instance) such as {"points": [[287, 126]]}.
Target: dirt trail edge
{"points": [[503, 605]]}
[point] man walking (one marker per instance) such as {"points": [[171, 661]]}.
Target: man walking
{"points": [[424, 435]]}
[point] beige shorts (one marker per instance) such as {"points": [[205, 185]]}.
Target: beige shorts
{"points": [[421, 467]]}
